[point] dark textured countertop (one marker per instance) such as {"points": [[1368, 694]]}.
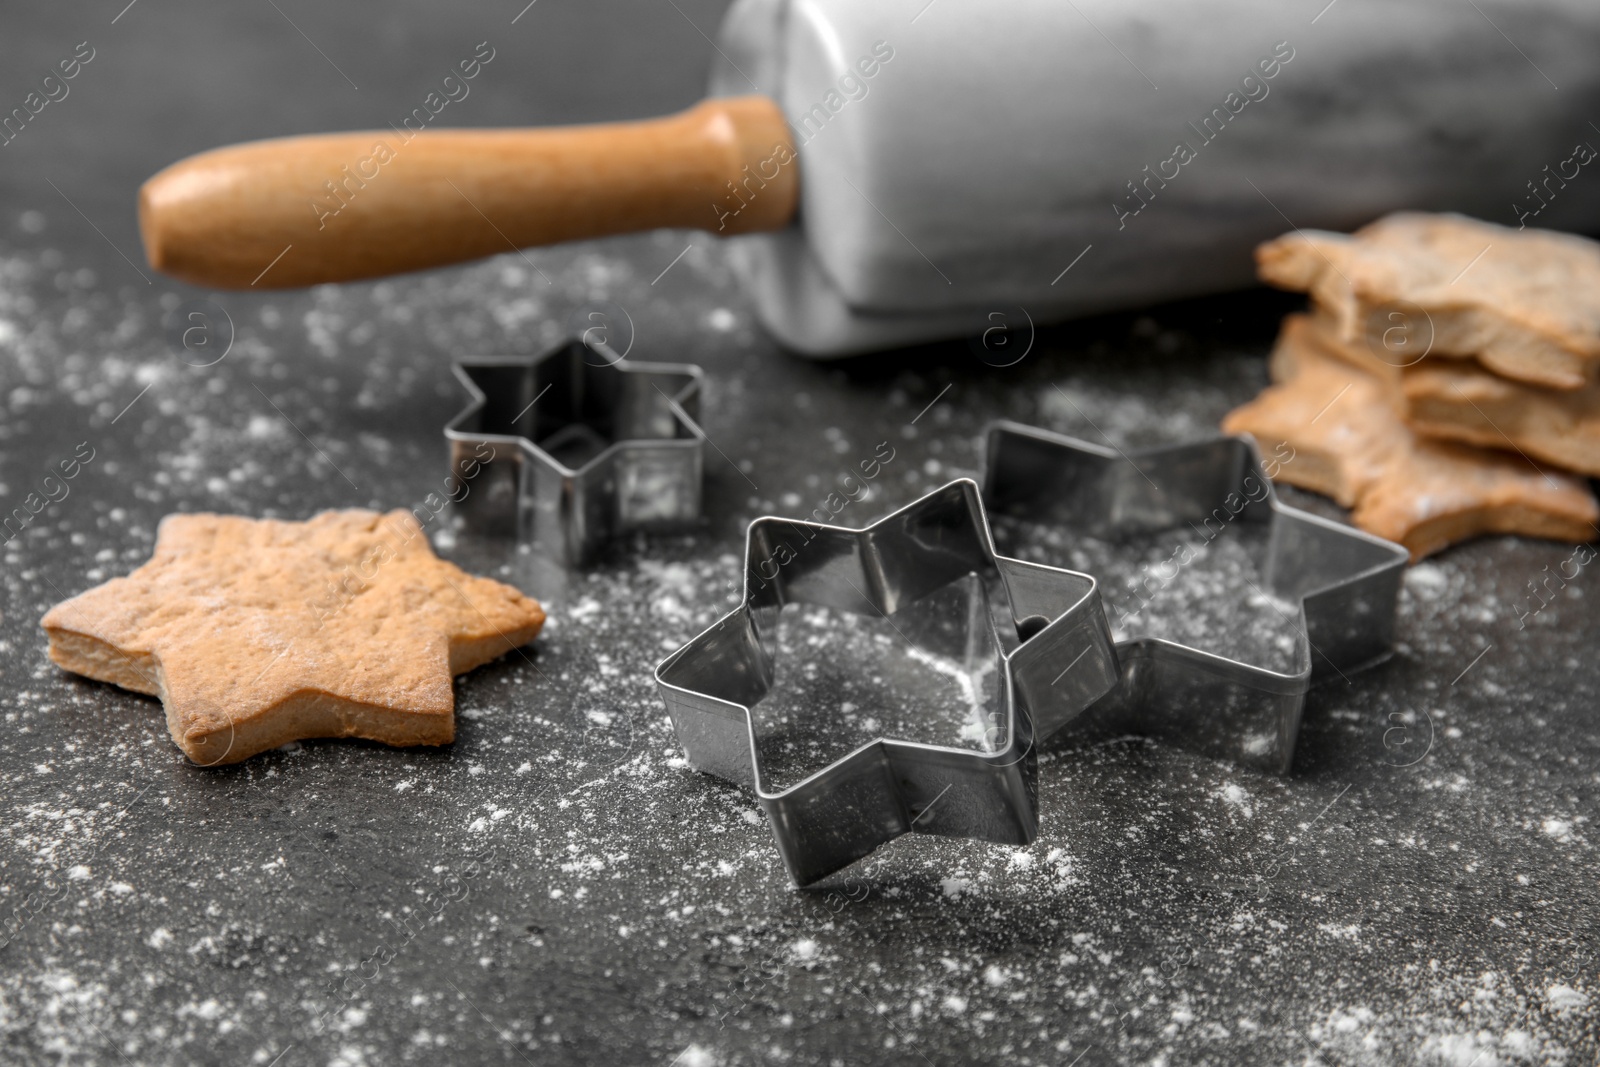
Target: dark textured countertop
{"points": [[557, 886]]}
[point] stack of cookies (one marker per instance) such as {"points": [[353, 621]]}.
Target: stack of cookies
{"points": [[1446, 382]]}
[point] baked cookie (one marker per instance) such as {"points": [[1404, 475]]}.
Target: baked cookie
{"points": [[1460, 401], [1524, 303], [256, 632], [1350, 443]]}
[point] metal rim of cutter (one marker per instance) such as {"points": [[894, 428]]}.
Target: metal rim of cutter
{"points": [[1062, 662], [645, 474], [1345, 582]]}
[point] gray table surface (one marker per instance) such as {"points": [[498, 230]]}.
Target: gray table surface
{"points": [[557, 886]]}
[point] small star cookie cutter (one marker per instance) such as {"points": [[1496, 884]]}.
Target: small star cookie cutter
{"points": [[1057, 659], [1344, 581], [572, 447]]}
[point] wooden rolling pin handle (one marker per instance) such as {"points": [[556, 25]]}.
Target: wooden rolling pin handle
{"points": [[341, 207]]}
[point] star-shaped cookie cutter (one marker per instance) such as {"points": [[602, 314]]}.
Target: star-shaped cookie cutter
{"points": [[1058, 661], [572, 447], [1345, 583]]}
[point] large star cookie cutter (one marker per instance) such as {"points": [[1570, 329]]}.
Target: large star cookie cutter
{"points": [[1341, 583], [570, 448], [1053, 647]]}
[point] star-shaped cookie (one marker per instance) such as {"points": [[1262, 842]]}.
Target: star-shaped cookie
{"points": [[1458, 400], [1351, 443], [1525, 303], [257, 632]]}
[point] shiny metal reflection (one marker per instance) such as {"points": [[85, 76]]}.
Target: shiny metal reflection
{"points": [[1052, 641], [1344, 582], [567, 449]]}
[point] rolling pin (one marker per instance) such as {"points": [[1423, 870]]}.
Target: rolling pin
{"points": [[901, 171]]}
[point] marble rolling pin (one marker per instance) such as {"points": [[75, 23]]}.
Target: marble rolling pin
{"points": [[899, 169]]}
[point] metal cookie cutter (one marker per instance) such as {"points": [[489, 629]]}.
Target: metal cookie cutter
{"points": [[1053, 649], [1345, 582], [569, 448]]}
